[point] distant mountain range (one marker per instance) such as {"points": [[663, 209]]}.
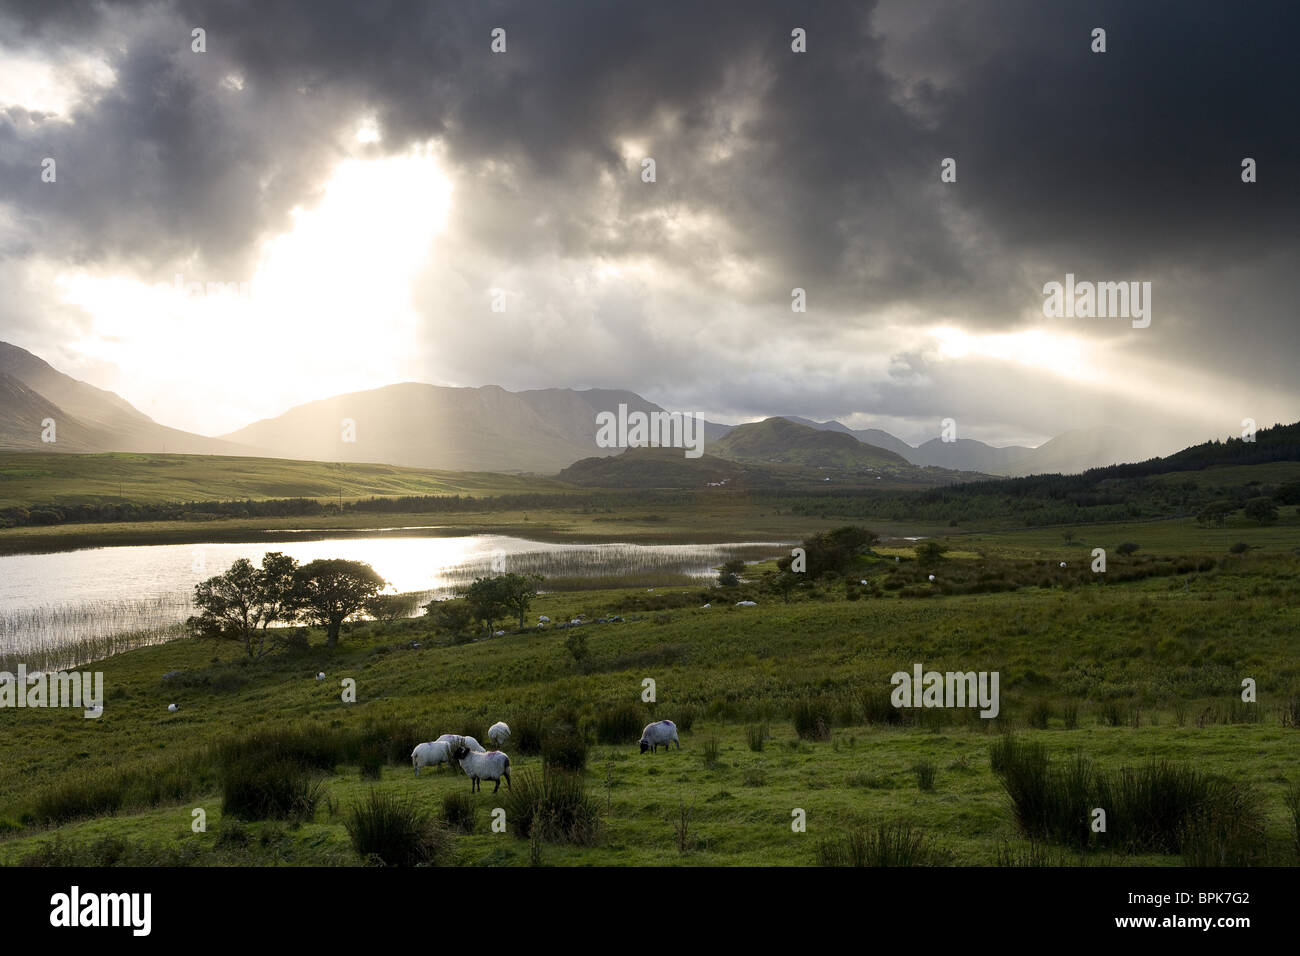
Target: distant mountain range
{"points": [[86, 419], [492, 429]]}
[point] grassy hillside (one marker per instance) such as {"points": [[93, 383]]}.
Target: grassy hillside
{"points": [[1142, 665], [783, 441], [27, 479]]}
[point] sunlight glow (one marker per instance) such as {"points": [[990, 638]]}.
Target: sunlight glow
{"points": [[327, 309]]}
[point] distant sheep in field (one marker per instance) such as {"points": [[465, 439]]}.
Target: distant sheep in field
{"points": [[491, 765], [172, 708], [543, 619], [499, 733], [659, 734], [431, 754]]}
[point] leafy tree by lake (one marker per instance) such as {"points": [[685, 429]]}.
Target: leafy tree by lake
{"points": [[452, 617], [330, 590], [833, 552], [486, 600], [729, 574], [517, 592], [244, 601]]}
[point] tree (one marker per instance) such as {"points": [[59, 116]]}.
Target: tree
{"points": [[783, 583], [1216, 512], [729, 574], [1261, 509], [517, 592], [390, 607], [486, 599], [451, 617], [244, 601], [930, 553], [330, 590], [1288, 494], [833, 552]]}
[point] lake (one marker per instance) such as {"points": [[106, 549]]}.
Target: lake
{"points": [[52, 601]]}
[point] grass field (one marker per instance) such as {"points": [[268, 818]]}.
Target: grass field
{"points": [[1123, 673], [27, 479]]}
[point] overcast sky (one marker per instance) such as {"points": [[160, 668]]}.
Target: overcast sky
{"points": [[373, 171]]}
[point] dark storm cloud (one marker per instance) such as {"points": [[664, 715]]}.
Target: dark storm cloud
{"points": [[818, 170], [1126, 160]]}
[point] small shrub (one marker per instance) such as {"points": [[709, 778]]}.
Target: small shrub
{"points": [[1040, 712], [1293, 809], [620, 724], [888, 844], [393, 831], [458, 811], [97, 795], [925, 771], [554, 806], [685, 719], [280, 790], [709, 751], [371, 760], [812, 719], [756, 734], [527, 733], [563, 748], [1070, 714]]}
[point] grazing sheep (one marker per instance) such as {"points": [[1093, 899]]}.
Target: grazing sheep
{"points": [[454, 741], [543, 619], [746, 604], [1062, 564], [489, 765], [172, 708], [932, 577], [499, 733], [431, 754], [662, 733], [320, 676]]}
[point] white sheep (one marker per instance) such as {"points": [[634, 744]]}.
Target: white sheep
{"points": [[1062, 564], [172, 708], [499, 733], [431, 754], [320, 676], [746, 604], [932, 577], [663, 733], [453, 741], [480, 766], [543, 619]]}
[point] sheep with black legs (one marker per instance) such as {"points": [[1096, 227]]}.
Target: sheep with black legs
{"points": [[499, 733], [491, 765], [659, 734], [431, 754]]}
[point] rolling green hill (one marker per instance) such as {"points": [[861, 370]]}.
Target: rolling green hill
{"points": [[781, 441]]}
